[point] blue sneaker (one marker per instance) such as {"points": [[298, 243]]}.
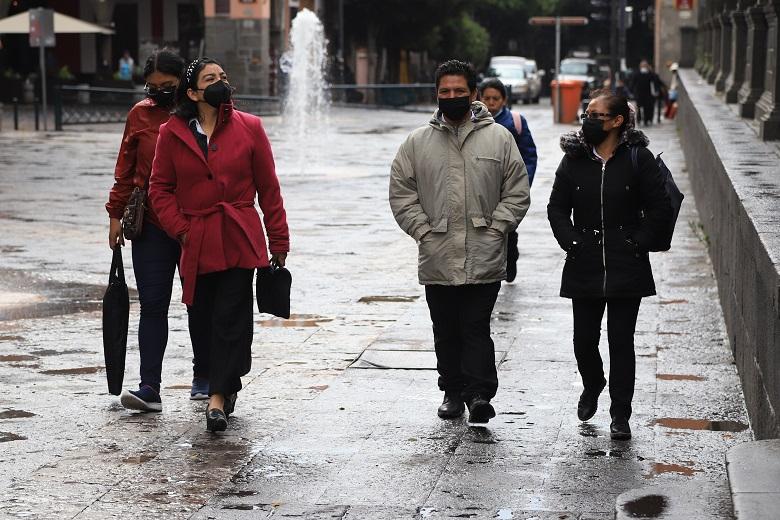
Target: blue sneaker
{"points": [[200, 389], [145, 399]]}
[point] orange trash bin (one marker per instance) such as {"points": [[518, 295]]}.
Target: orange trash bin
{"points": [[571, 93]]}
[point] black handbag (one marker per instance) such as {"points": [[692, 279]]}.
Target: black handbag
{"points": [[273, 291], [116, 314]]}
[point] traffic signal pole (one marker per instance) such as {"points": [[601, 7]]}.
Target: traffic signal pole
{"points": [[558, 21]]}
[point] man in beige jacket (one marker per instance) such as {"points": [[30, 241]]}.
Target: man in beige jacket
{"points": [[458, 186]]}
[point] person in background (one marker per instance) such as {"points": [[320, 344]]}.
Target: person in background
{"points": [[671, 104], [211, 162], [126, 65], [155, 255], [645, 87], [493, 94]]}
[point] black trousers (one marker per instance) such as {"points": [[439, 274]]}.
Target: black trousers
{"points": [[465, 355], [221, 320], [621, 325], [155, 257]]}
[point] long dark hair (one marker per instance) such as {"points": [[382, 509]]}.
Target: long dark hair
{"points": [[166, 61], [616, 104], [185, 107]]}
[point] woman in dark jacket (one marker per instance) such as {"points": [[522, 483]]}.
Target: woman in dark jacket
{"points": [[617, 212], [211, 162], [155, 255]]}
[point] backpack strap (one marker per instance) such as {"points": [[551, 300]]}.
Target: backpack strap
{"points": [[518, 122], [635, 158]]}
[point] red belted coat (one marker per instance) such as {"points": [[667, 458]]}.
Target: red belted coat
{"points": [[212, 199]]}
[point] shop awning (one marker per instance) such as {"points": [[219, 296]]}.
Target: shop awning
{"points": [[20, 24]]}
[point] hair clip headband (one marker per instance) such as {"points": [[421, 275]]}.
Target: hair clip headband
{"points": [[193, 65]]}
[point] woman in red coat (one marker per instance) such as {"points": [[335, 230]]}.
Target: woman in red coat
{"points": [[210, 162], [155, 254]]}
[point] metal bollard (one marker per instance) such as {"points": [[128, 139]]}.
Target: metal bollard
{"points": [[16, 114], [37, 125]]}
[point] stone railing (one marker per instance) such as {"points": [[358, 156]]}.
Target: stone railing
{"points": [[739, 53], [734, 176]]}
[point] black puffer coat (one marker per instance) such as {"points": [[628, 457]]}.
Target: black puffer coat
{"points": [[616, 212]]}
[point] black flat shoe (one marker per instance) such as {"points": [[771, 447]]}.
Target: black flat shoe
{"points": [[589, 402], [451, 407], [216, 420], [480, 410], [230, 404], [619, 430]]}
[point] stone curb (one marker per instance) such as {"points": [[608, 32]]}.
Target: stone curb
{"points": [[754, 478]]}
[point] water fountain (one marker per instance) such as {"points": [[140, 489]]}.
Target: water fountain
{"points": [[306, 102]]}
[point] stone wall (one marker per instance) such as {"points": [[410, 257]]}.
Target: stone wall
{"points": [[242, 46], [735, 180]]}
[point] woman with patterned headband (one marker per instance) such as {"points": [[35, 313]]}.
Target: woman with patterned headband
{"points": [[210, 162]]}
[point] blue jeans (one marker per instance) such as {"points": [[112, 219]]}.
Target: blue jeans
{"points": [[155, 258]]}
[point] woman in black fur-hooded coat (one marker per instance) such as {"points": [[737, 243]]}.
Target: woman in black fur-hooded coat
{"points": [[617, 210]]}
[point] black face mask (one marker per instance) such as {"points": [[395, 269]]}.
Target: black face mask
{"points": [[455, 109], [162, 97], [217, 93], [593, 130]]}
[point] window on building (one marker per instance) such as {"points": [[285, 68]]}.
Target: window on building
{"points": [[222, 7]]}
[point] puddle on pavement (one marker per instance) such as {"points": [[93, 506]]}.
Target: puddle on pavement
{"points": [[700, 424], [73, 371], [504, 514], [679, 377], [139, 459], [651, 506], [295, 320], [671, 302], [8, 436], [15, 414], [12, 339], [588, 430], [660, 468], [388, 299], [11, 358], [617, 454]]}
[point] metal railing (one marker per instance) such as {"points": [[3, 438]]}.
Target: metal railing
{"points": [[78, 105], [393, 95]]}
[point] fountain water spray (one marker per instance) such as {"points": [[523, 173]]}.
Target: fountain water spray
{"points": [[306, 103]]}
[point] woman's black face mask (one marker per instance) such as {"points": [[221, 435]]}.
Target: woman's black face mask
{"points": [[161, 96]]}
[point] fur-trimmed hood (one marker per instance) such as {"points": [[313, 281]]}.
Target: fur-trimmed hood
{"points": [[573, 143]]}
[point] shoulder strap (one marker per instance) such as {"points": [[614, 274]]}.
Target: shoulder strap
{"points": [[634, 158], [518, 122]]}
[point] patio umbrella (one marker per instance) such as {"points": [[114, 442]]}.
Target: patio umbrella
{"points": [[63, 24]]}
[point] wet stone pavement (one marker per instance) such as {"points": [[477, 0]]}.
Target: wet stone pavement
{"points": [[338, 415]]}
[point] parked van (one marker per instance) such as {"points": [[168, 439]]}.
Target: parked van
{"points": [[513, 72]]}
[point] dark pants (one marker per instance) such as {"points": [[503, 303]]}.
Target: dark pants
{"points": [[466, 359], [646, 107], [221, 318], [621, 325], [155, 257]]}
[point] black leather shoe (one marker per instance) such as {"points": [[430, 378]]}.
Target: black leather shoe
{"points": [[451, 408], [216, 420], [230, 404], [589, 402], [480, 410], [619, 430]]}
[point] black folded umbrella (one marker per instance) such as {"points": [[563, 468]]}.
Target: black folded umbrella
{"points": [[116, 313], [273, 290]]}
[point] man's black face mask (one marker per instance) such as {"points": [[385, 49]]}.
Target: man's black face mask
{"points": [[455, 109]]}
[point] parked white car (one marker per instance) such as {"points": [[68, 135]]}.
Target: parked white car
{"points": [[513, 71]]}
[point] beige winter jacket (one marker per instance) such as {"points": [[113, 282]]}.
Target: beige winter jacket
{"points": [[458, 191]]}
